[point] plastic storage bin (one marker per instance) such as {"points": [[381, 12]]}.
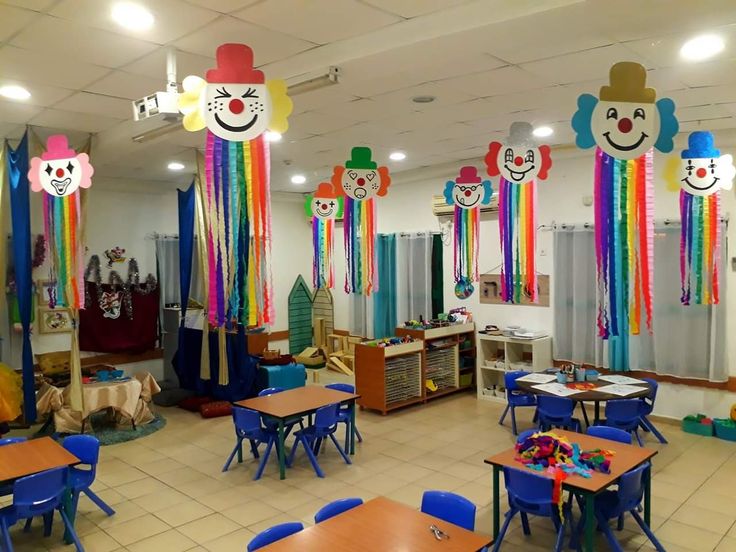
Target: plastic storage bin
{"points": [[466, 379], [725, 428], [694, 424]]}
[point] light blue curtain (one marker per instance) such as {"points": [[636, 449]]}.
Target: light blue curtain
{"points": [[384, 300]]}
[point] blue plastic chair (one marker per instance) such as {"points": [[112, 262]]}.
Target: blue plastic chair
{"points": [[531, 494], [37, 495], [343, 413], [646, 407], [248, 426], [336, 507], [614, 504], [515, 397], [272, 424], [556, 412], [449, 507], [610, 433], [273, 534], [325, 425], [8, 488], [624, 414]]}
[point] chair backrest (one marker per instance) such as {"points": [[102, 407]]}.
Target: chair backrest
{"points": [[529, 492], [275, 533], [555, 407], [646, 404], [84, 447], [246, 420], [449, 507], [270, 391], [12, 440], [326, 416], [509, 380], [39, 493], [336, 507], [524, 435], [622, 410], [344, 387], [630, 489], [610, 433]]}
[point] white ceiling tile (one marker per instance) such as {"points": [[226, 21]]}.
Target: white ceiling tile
{"points": [[63, 120], [173, 18], [66, 39], [11, 131], [17, 113], [497, 82], [708, 124], [35, 5], [329, 96], [12, 20], [582, 66], [711, 73], [120, 84], [664, 81], [413, 8], [97, 104], [703, 95], [701, 113], [316, 123], [318, 21], [44, 96], [154, 65], [50, 70], [267, 45], [223, 6]]}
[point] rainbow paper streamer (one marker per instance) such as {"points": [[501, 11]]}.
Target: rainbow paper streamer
{"points": [[624, 243], [466, 244], [62, 221], [359, 229], [517, 221], [237, 176], [323, 270], [700, 248]]}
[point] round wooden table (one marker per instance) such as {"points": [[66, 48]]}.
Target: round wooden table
{"points": [[589, 396]]}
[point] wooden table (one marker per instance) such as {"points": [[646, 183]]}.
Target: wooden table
{"points": [[381, 525], [627, 457], [296, 403], [33, 456]]}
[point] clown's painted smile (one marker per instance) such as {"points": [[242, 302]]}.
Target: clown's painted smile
{"points": [[686, 180], [631, 147], [61, 185], [231, 128], [517, 176]]}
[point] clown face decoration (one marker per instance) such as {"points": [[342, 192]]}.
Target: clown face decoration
{"points": [[235, 102], [702, 169], [110, 303], [60, 171], [325, 204], [361, 178], [468, 190], [626, 121], [518, 159]]}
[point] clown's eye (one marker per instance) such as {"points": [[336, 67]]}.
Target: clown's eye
{"points": [[509, 155], [529, 157], [332, 203], [611, 113], [353, 175], [690, 167], [639, 113], [48, 170], [712, 166], [70, 167], [316, 202], [222, 93], [250, 93]]}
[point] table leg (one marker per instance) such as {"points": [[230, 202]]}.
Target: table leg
{"points": [[597, 412], [68, 505], [589, 521], [496, 503], [352, 427], [648, 496], [282, 452]]}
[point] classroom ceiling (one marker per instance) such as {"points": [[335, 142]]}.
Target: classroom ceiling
{"points": [[487, 63]]}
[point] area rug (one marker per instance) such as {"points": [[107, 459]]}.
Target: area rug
{"points": [[108, 432]]}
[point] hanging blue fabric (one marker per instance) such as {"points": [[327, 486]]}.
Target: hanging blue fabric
{"points": [[20, 211], [384, 300]]}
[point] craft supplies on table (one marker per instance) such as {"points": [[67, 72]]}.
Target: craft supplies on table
{"points": [[621, 390], [557, 389], [537, 378]]}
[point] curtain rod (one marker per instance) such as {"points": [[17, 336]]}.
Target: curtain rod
{"points": [[586, 225]]}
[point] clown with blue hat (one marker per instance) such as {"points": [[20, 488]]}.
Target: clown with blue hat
{"points": [[703, 170]]}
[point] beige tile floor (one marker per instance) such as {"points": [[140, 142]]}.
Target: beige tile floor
{"points": [[171, 496]]}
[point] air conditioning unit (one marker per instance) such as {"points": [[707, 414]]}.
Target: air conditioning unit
{"points": [[440, 208]]}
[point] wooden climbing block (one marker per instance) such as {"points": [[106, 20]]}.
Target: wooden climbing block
{"points": [[341, 366]]}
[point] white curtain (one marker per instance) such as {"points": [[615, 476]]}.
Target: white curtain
{"points": [[360, 312], [687, 341], [167, 261], [413, 276]]}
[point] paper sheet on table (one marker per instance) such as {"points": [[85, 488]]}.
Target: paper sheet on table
{"points": [[621, 380], [620, 390], [556, 389], [537, 378]]}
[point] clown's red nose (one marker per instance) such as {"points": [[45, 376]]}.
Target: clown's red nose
{"points": [[467, 193], [625, 125], [361, 181], [701, 172], [518, 161], [59, 173], [236, 106], [324, 206]]}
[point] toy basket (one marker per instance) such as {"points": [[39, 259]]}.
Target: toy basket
{"points": [[694, 424], [466, 379], [725, 428]]}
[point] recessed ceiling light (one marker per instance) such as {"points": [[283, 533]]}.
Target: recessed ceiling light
{"points": [[543, 131], [298, 179], [423, 99], [272, 136], [702, 47], [175, 166], [132, 16], [14, 92], [397, 156]]}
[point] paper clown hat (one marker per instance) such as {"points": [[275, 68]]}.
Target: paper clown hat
{"points": [[60, 171], [626, 120], [235, 102], [468, 190], [518, 159], [324, 203], [700, 169], [361, 178]]}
